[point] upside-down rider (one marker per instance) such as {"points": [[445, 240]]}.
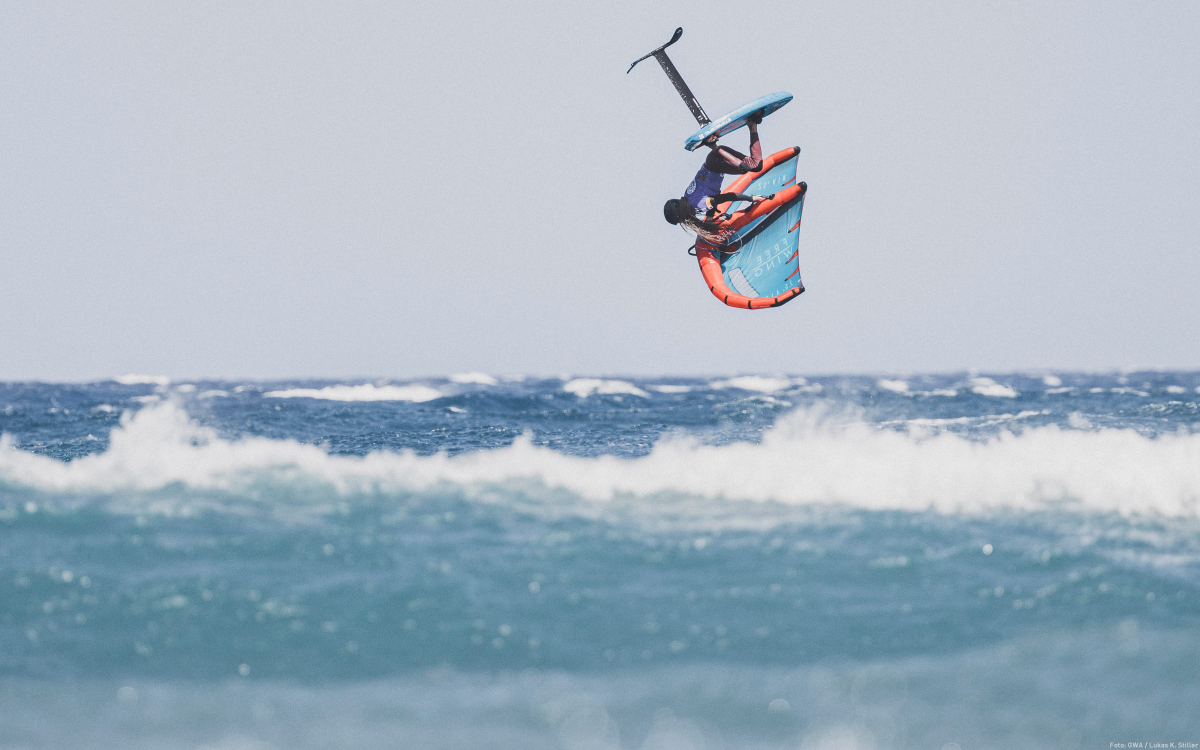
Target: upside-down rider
{"points": [[696, 211]]}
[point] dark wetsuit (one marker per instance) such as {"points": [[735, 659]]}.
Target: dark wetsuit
{"points": [[722, 161]]}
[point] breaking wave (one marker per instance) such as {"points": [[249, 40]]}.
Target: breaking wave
{"points": [[366, 392], [809, 457]]}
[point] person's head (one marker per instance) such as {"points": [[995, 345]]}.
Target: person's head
{"points": [[681, 213], [678, 210]]}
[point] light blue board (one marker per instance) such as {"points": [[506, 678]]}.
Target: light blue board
{"points": [[767, 265], [737, 118]]}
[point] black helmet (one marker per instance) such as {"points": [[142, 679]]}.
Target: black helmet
{"points": [[676, 210]]}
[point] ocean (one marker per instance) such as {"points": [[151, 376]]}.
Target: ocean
{"points": [[946, 561]]}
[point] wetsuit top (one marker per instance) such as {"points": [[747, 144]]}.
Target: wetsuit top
{"points": [[706, 184]]}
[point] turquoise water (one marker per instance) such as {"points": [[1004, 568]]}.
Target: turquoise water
{"points": [[763, 561]]}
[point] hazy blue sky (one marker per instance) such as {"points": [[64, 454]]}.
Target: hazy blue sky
{"points": [[396, 189]]}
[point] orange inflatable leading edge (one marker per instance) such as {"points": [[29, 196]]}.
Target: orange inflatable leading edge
{"points": [[707, 254]]}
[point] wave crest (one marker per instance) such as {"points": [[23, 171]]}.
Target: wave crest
{"points": [[809, 457], [366, 392]]}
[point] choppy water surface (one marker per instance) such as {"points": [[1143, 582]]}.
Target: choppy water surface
{"points": [[758, 561]]}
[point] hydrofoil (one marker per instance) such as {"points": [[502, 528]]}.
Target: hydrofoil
{"points": [[723, 126]]}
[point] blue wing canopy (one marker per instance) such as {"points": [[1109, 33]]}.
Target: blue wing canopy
{"points": [[765, 260]]}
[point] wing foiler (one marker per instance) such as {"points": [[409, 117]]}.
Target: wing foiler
{"points": [[758, 264]]}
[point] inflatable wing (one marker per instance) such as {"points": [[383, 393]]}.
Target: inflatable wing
{"points": [[758, 263]]}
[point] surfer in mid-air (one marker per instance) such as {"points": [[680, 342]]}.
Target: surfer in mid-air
{"points": [[696, 211], [746, 239]]}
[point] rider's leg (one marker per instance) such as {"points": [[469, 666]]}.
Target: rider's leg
{"points": [[754, 162], [725, 160], [728, 161]]}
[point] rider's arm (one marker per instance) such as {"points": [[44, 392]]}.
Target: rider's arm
{"points": [[726, 197]]}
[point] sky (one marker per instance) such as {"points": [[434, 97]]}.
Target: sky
{"points": [[405, 189]]}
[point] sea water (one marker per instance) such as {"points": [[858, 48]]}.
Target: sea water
{"points": [[765, 561]]}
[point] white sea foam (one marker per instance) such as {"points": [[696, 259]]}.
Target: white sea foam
{"points": [[365, 392], [989, 387], [1128, 391], [584, 387], [1051, 380], [758, 383], [476, 378], [1176, 389], [896, 386], [133, 379], [983, 420], [808, 458], [672, 388], [216, 393]]}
